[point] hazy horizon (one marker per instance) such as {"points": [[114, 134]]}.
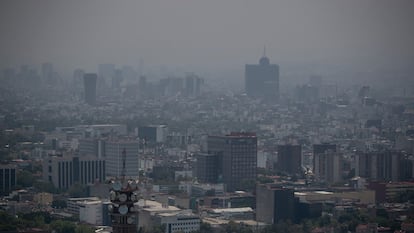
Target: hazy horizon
{"points": [[209, 34]]}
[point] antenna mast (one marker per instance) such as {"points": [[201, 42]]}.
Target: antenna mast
{"points": [[123, 172]]}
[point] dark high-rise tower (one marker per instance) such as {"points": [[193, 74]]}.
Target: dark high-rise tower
{"points": [[208, 168], [274, 203], [238, 159], [90, 88], [289, 158], [262, 80]]}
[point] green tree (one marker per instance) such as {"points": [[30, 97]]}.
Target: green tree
{"points": [[84, 229], [7, 222], [59, 204], [205, 228], [25, 179], [61, 226]]}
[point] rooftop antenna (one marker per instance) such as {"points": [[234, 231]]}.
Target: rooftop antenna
{"points": [[123, 172]]}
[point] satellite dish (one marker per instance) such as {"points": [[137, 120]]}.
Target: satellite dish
{"points": [[131, 220], [122, 197], [117, 186], [134, 197], [123, 209], [110, 208]]}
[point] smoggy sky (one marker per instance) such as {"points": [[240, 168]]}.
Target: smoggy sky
{"points": [[210, 33]]}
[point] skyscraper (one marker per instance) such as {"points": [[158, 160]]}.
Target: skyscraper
{"points": [[8, 179], [274, 203], [207, 168], [289, 158], [77, 79], [238, 159], [90, 88], [106, 72], [47, 73], [262, 80], [113, 153], [193, 85], [327, 163], [383, 166]]}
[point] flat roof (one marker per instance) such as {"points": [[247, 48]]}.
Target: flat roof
{"points": [[154, 206], [232, 210]]}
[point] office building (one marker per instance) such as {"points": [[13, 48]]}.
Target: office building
{"points": [[327, 163], [106, 72], [289, 158], [74, 204], [389, 191], [92, 147], [193, 85], [322, 148], [63, 172], [91, 212], [274, 204], [207, 168], [183, 221], [113, 157], [8, 179], [111, 150], [262, 80], [90, 88], [384, 166], [47, 74], [238, 158], [142, 84], [153, 133], [77, 79]]}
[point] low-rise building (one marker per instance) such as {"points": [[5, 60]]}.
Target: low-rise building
{"points": [[90, 212], [182, 221]]}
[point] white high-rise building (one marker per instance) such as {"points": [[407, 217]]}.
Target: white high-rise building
{"points": [[113, 158], [90, 212]]}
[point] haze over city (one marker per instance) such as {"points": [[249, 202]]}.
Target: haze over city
{"points": [[206, 35], [185, 116]]}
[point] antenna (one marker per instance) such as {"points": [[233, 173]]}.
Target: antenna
{"points": [[123, 173]]}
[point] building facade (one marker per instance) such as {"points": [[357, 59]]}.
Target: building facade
{"points": [[237, 154], [207, 169], [8, 179], [183, 221], [113, 157], [262, 80], [384, 166], [63, 172], [91, 212], [90, 88], [111, 150], [153, 133], [327, 163], [289, 158], [274, 204]]}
